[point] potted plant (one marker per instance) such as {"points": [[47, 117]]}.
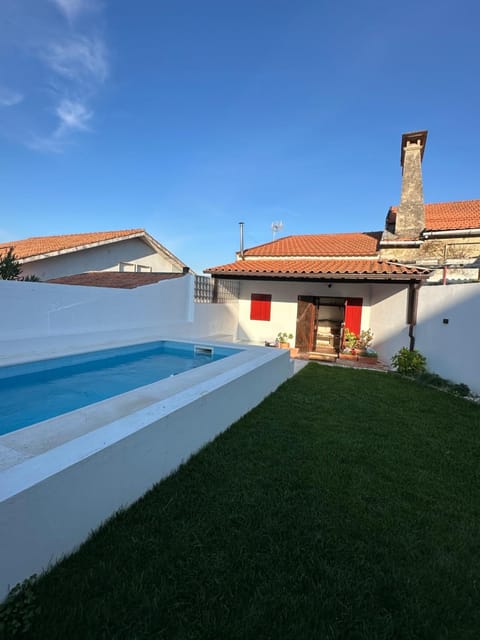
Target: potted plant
{"points": [[350, 341], [364, 340], [367, 354], [283, 339]]}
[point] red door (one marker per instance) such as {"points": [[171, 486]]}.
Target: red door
{"points": [[353, 314]]}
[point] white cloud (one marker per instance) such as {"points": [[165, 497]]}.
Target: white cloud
{"points": [[51, 144], [61, 68], [72, 8], [73, 115], [9, 98], [80, 58]]}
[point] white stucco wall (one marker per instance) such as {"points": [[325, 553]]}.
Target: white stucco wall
{"points": [[39, 320], [104, 258], [284, 306], [453, 349], [389, 319]]}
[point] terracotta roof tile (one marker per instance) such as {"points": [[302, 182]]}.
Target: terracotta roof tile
{"points": [[51, 244], [114, 279], [445, 216], [367, 267], [332, 244]]}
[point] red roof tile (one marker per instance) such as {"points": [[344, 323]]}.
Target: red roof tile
{"points": [[315, 267], [50, 244], [332, 244], [114, 279], [445, 216]]}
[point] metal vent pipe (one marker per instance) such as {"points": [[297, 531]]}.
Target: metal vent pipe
{"points": [[241, 239]]}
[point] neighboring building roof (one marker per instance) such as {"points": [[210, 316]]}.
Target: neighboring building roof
{"points": [[332, 244], [361, 268], [114, 279], [446, 216], [41, 245], [38, 248]]}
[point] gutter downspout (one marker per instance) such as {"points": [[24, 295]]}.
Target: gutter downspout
{"points": [[413, 289], [451, 233]]}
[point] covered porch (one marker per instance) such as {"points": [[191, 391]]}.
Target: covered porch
{"points": [[318, 301]]}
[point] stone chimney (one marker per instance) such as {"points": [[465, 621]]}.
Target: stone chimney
{"points": [[410, 218]]}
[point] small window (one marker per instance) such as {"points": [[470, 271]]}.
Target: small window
{"points": [[132, 266], [260, 304], [126, 266]]}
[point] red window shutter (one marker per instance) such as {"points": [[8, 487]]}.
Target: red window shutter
{"points": [[353, 314], [260, 304]]}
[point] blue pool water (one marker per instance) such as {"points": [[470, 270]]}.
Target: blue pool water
{"points": [[36, 391]]}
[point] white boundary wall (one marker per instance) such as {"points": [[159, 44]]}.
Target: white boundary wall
{"points": [[452, 349], [41, 320]]}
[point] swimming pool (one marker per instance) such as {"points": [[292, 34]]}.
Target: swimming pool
{"points": [[62, 477], [34, 392]]}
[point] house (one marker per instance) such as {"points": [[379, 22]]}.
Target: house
{"points": [[316, 286], [129, 250]]}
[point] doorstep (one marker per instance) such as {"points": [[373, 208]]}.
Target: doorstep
{"points": [[346, 360]]}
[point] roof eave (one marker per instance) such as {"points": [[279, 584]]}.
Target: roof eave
{"points": [[154, 244], [365, 277]]}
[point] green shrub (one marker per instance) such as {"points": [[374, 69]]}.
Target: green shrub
{"points": [[19, 609], [409, 363], [434, 380], [460, 389], [431, 379], [9, 266]]}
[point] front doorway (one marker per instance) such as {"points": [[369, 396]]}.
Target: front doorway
{"points": [[321, 322]]}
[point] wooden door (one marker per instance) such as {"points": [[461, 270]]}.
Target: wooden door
{"points": [[306, 316]]}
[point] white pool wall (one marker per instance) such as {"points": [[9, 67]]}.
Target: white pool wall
{"points": [[49, 503]]}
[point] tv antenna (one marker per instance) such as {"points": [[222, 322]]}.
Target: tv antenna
{"points": [[276, 227]]}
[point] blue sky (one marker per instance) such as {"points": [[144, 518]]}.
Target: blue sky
{"points": [[186, 117]]}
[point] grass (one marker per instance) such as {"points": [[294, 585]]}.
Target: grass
{"points": [[347, 505]]}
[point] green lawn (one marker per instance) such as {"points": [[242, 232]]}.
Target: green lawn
{"points": [[347, 505]]}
